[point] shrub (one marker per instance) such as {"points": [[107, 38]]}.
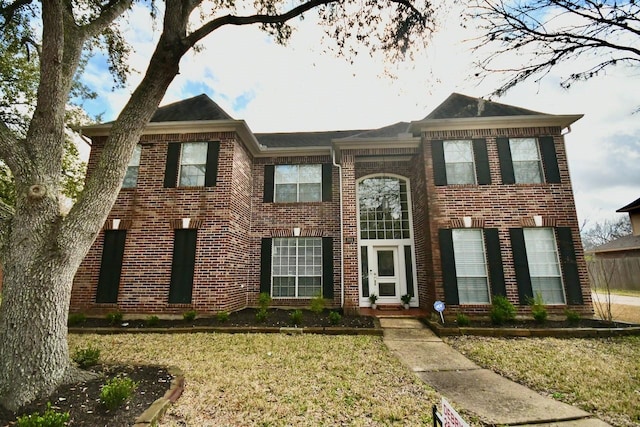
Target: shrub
{"points": [[261, 315], [462, 319], [501, 310], [114, 318], [50, 418], [86, 357], [334, 317], [116, 391], [76, 319], [222, 316], [317, 304], [264, 300], [190, 315], [573, 317], [151, 321], [295, 317], [538, 309]]}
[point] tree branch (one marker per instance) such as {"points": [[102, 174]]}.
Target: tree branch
{"points": [[109, 13]]}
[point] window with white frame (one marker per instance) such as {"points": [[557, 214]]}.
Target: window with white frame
{"points": [[458, 158], [193, 164], [131, 177], [527, 167], [471, 266], [298, 183], [544, 265], [296, 267]]}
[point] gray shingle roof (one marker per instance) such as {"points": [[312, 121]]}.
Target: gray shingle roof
{"points": [[620, 244], [199, 107], [458, 106], [633, 206], [303, 139]]}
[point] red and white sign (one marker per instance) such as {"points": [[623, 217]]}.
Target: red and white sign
{"points": [[450, 418]]}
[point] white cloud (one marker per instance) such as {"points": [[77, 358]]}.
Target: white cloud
{"points": [[298, 88]]}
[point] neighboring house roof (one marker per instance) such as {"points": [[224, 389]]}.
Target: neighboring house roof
{"points": [[458, 106], [199, 107], [621, 244], [633, 206]]}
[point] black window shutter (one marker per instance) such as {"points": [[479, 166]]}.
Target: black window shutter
{"points": [[494, 259], [408, 263], [549, 159], [327, 182], [506, 163], [269, 177], [364, 270], [482, 161], [111, 266], [327, 267], [569, 265], [439, 167], [265, 265], [211, 173], [171, 167], [521, 265], [182, 268], [447, 259]]}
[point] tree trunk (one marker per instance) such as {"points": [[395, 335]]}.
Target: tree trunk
{"points": [[34, 356]]}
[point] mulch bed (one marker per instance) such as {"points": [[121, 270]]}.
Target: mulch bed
{"points": [[244, 318], [82, 400], [549, 324]]}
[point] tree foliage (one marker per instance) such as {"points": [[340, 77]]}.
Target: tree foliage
{"points": [[41, 248], [528, 38], [605, 231]]}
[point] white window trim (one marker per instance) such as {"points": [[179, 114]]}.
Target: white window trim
{"points": [[297, 274], [133, 164], [557, 259], [180, 164], [486, 267], [539, 161], [473, 161], [297, 183]]}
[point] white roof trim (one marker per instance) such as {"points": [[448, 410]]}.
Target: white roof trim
{"points": [[500, 122]]}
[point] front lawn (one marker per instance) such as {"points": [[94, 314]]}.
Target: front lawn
{"points": [[601, 376], [260, 380]]}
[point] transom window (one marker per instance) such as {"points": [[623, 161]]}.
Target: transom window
{"points": [[193, 164], [384, 209], [131, 177], [298, 183], [471, 266], [544, 266], [458, 158], [525, 155], [296, 267]]}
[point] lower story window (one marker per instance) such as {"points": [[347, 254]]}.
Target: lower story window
{"points": [[296, 267], [544, 266], [471, 266]]}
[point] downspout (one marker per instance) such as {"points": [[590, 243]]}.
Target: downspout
{"points": [[333, 156]]}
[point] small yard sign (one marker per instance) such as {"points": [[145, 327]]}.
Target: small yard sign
{"points": [[439, 307], [450, 418]]}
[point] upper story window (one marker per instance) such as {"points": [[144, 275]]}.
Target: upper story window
{"points": [[384, 208], [192, 164], [298, 183], [471, 266], [131, 177], [526, 160], [458, 158]]}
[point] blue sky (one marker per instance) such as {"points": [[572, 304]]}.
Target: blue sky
{"points": [[300, 88]]}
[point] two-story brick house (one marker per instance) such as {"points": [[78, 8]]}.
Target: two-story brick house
{"points": [[472, 201]]}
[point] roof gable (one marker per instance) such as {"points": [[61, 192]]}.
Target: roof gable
{"points": [[462, 106], [199, 107], [633, 206]]}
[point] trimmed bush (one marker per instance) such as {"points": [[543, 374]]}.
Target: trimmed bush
{"points": [[114, 318], [317, 304], [50, 418], [86, 357], [76, 319], [222, 316], [190, 315], [116, 391], [264, 300], [538, 310], [151, 321], [573, 317], [334, 317], [462, 319], [502, 310], [261, 315], [295, 317]]}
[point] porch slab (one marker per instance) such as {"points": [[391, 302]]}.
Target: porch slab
{"points": [[499, 400], [410, 335], [400, 322], [590, 422], [422, 356]]}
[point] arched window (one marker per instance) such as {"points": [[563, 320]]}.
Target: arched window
{"points": [[384, 210]]}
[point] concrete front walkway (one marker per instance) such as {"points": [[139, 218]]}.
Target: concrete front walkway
{"points": [[494, 399]]}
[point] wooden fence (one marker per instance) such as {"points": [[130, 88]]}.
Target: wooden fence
{"points": [[614, 272]]}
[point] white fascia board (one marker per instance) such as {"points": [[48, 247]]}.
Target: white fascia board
{"points": [[195, 126], [372, 143], [293, 151], [502, 122]]}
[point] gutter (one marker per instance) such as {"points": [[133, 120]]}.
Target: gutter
{"points": [[333, 158]]}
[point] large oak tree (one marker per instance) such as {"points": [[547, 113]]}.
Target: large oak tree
{"points": [[40, 247]]}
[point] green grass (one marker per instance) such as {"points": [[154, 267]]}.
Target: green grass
{"points": [[601, 376], [277, 380]]}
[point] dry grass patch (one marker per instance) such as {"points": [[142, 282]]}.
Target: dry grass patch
{"points": [[601, 376], [274, 380]]}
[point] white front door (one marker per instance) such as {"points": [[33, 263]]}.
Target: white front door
{"points": [[385, 272]]}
